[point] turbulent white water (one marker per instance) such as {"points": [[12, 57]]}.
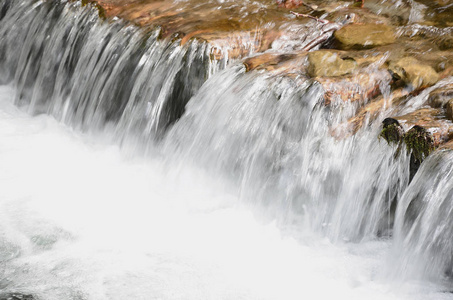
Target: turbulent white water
{"points": [[80, 221]]}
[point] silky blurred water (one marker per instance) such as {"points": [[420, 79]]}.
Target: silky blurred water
{"points": [[79, 220], [134, 167]]}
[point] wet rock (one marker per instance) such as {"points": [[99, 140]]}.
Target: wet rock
{"points": [[16, 296], [419, 142], [289, 65], [432, 120], [360, 87], [369, 113], [264, 61], [445, 43], [398, 12], [392, 131], [329, 63], [414, 72], [440, 97], [290, 3], [422, 131], [363, 36], [241, 28], [358, 15], [449, 110]]}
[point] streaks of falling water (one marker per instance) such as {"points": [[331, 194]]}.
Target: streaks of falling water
{"points": [[88, 73], [424, 223], [271, 135]]}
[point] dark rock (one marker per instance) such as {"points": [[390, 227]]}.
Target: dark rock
{"points": [[419, 142], [440, 97], [432, 120], [392, 131]]}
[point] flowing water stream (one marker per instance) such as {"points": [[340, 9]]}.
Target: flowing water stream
{"points": [[133, 167]]}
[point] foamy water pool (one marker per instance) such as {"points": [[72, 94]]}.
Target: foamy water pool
{"points": [[81, 220]]}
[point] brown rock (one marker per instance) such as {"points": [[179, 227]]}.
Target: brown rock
{"points": [[264, 61], [414, 72], [240, 29], [449, 110], [369, 113], [328, 63], [362, 36], [432, 120], [358, 87], [440, 97]]}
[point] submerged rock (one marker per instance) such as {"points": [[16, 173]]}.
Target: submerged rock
{"points": [[414, 72], [265, 60], [329, 63], [362, 36], [440, 97], [359, 87]]}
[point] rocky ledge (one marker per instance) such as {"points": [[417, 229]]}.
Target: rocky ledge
{"points": [[351, 48]]}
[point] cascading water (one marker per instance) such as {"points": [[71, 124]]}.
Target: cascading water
{"points": [[427, 248], [172, 224], [272, 136], [106, 73]]}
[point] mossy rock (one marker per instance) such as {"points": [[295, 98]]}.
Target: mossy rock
{"points": [[392, 131], [414, 72], [364, 36], [419, 142], [328, 63], [100, 9]]}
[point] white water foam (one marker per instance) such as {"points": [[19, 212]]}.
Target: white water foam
{"points": [[80, 221]]}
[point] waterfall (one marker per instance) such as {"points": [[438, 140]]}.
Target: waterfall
{"points": [[424, 228], [272, 135], [267, 137], [90, 73]]}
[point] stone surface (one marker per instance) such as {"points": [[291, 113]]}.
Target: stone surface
{"points": [[266, 60], [440, 97], [414, 72], [432, 120], [368, 113], [360, 36], [240, 27], [329, 63], [358, 87]]}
